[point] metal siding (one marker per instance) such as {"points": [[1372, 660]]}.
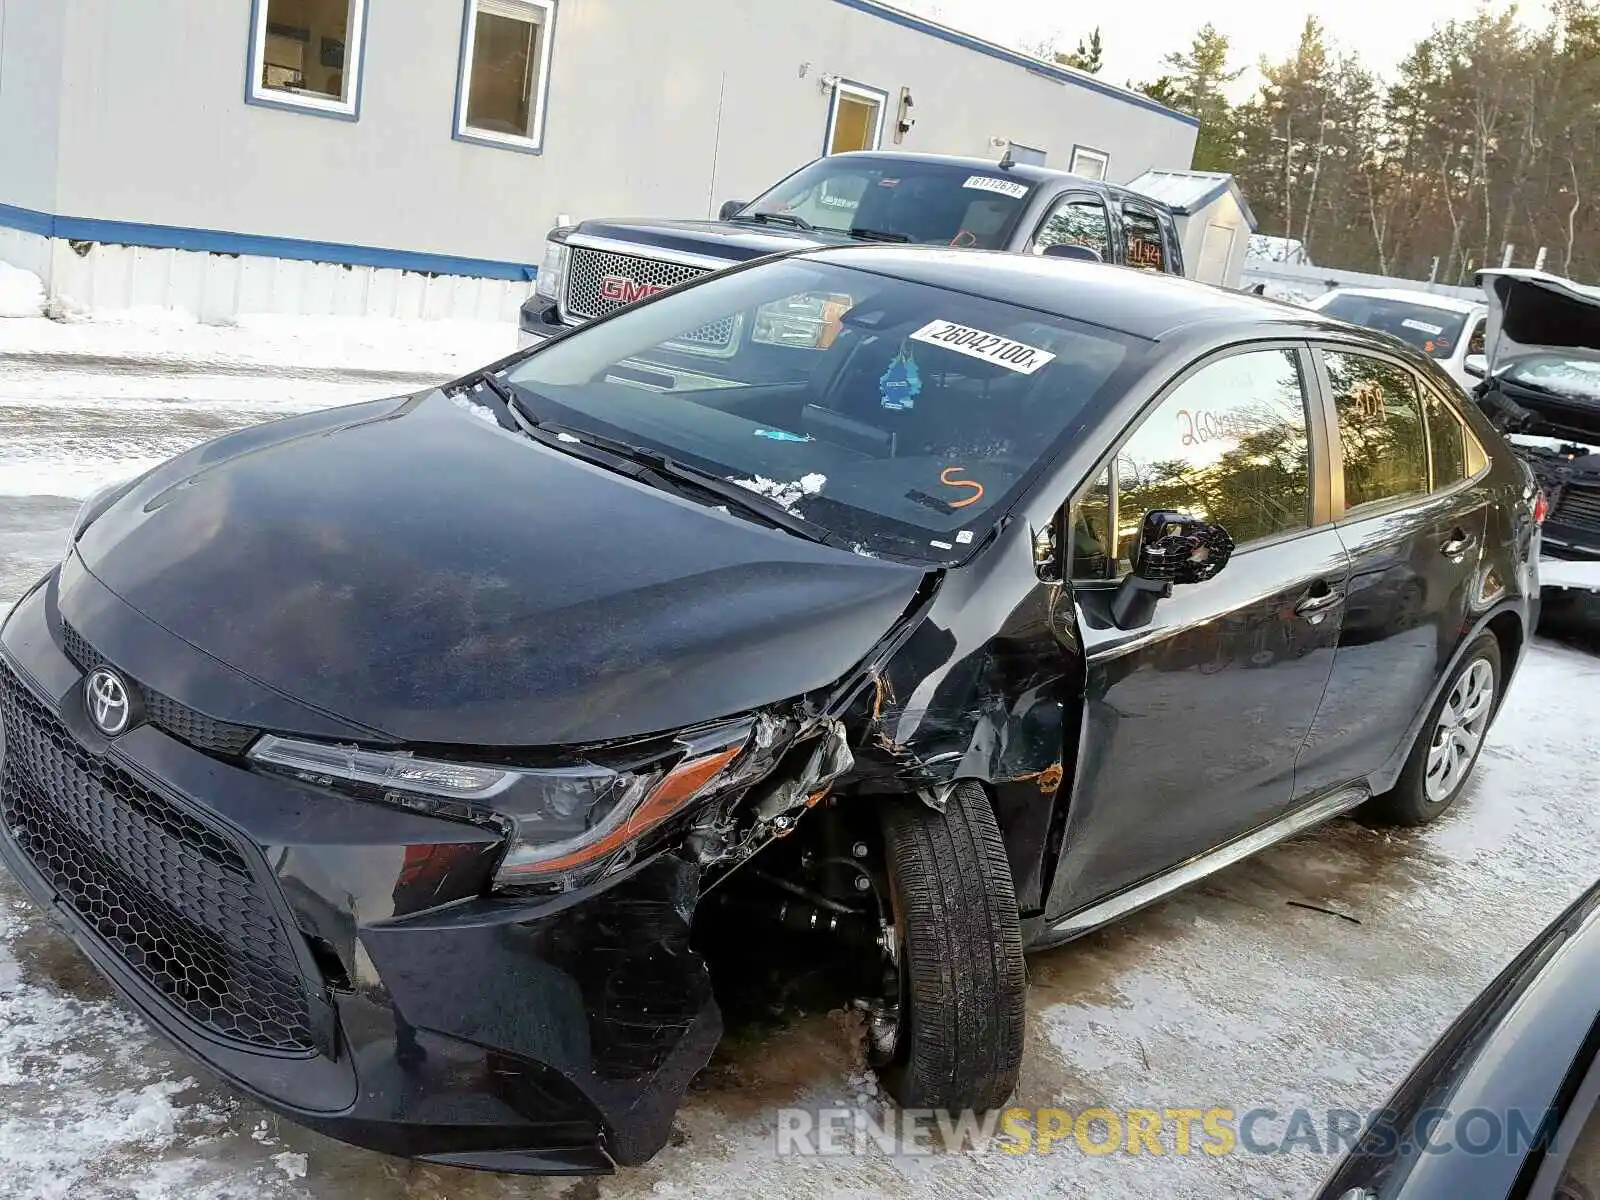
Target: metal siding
{"points": [[30, 96], [660, 109]]}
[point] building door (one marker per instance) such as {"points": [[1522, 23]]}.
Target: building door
{"points": [[855, 118], [1216, 251]]}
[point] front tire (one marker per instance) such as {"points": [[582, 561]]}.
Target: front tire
{"points": [[1447, 749], [958, 945]]}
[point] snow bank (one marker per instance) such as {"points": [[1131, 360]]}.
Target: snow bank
{"points": [[21, 293]]}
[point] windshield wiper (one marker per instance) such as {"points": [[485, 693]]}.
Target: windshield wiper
{"points": [[878, 235], [776, 218], [753, 504]]}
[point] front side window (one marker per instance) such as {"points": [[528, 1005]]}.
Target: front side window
{"points": [[505, 71], [1146, 249], [901, 416], [1475, 339], [1077, 221], [307, 54], [894, 200], [1229, 445], [1381, 429]]}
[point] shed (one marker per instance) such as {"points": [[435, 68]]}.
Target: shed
{"points": [[1214, 220]]}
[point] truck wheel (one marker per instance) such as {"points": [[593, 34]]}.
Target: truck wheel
{"points": [[1446, 750], [955, 1041]]}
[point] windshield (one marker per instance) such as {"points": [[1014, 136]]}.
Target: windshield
{"points": [[1571, 374], [892, 199], [1434, 331], [899, 416]]}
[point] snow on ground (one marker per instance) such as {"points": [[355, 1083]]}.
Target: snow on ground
{"points": [[1225, 995], [21, 292]]}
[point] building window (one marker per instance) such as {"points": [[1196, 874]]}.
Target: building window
{"points": [[1089, 162], [307, 54], [855, 118], [505, 72]]}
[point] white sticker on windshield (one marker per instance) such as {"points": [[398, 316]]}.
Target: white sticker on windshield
{"points": [[1423, 327], [991, 347], [1005, 187]]}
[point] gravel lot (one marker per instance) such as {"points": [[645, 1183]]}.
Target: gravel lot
{"points": [[1309, 977]]}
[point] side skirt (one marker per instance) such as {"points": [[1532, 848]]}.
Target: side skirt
{"points": [[1040, 934]]}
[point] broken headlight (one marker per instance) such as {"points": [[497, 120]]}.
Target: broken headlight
{"points": [[564, 825]]}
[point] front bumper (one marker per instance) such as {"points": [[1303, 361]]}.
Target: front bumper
{"points": [[342, 961]]}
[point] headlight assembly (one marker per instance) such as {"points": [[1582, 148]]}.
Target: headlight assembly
{"points": [[95, 505], [564, 825], [552, 276]]}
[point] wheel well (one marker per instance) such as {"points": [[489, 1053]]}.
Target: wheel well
{"points": [[1507, 629]]}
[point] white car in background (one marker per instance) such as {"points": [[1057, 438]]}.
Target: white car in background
{"points": [[1448, 330]]}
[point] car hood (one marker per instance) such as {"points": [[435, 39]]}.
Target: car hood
{"points": [[412, 568], [730, 240]]}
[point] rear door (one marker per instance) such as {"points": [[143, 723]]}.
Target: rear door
{"points": [[1408, 511], [1192, 724]]}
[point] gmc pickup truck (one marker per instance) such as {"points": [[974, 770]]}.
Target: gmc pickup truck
{"points": [[594, 268]]}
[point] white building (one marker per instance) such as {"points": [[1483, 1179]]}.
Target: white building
{"points": [[405, 156], [1214, 220]]}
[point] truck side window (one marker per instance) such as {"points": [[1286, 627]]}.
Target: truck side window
{"points": [[1076, 220], [1146, 246]]}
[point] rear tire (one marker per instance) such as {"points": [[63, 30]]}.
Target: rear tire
{"points": [[963, 983], [1446, 751]]}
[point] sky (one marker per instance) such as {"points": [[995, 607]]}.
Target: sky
{"points": [[1136, 36]]}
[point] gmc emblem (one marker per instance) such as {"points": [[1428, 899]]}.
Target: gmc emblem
{"points": [[621, 289]]}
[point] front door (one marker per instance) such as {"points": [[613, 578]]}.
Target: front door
{"points": [[1192, 724], [1414, 527]]}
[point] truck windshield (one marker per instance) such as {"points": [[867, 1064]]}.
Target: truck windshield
{"points": [[883, 199], [902, 417]]}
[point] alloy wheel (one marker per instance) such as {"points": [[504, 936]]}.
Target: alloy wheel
{"points": [[1463, 721]]}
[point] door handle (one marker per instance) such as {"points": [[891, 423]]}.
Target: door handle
{"points": [[1319, 602], [1460, 542]]}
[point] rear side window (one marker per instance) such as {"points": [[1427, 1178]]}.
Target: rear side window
{"points": [[1447, 439], [1381, 430], [1145, 246]]}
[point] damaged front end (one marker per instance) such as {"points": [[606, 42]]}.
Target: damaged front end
{"points": [[1541, 388]]}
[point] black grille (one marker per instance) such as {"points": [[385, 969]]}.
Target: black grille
{"points": [[1578, 506], [174, 898], [165, 713]]}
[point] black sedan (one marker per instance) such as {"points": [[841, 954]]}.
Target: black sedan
{"points": [[403, 761], [1507, 1102]]}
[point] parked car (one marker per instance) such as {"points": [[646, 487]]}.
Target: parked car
{"points": [[1446, 329], [398, 761], [1540, 385], [1507, 1102], [595, 267]]}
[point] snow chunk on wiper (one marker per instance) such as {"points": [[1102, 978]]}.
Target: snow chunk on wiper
{"points": [[786, 494], [477, 410]]}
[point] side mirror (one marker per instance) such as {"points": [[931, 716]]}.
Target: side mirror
{"points": [[1073, 250], [730, 208], [1173, 549], [1475, 365]]}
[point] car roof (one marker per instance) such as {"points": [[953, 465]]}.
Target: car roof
{"points": [[1142, 303], [1028, 172], [1412, 296]]}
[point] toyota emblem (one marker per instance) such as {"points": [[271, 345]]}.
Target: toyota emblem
{"points": [[109, 702]]}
